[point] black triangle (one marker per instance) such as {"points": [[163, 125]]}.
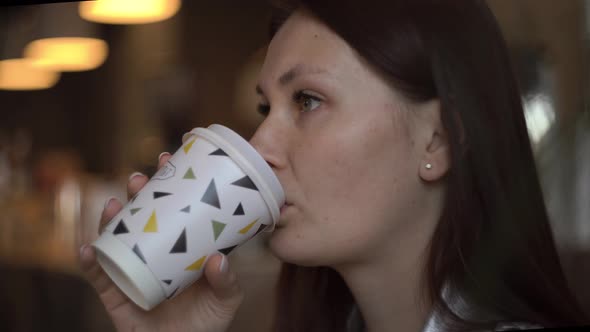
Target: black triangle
{"points": [[239, 210], [158, 194], [218, 152], [210, 197], [187, 209], [138, 253], [121, 228], [260, 229], [180, 245], [246, 183], [227, 250], [172, 294], [167, 281]]}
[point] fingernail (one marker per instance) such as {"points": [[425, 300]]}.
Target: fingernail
{"points": [[135, 174], [106, 204], [223, 266], [82, 248], [162, 154], [186, 136]]}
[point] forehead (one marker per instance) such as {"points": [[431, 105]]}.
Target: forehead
{"points": [[303, 39]]}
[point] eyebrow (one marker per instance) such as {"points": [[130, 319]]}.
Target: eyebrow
{"points": [[294, 72]]}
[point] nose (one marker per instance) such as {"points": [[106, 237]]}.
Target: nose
{"points": [[269, 140]]}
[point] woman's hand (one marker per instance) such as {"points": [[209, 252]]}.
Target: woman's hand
{"points": [[209, 305]]}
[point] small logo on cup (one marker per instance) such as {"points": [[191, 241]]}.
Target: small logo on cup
{"points": [[166, 172]]}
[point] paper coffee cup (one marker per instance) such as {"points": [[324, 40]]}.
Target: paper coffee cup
{"points": [[214, 194]]}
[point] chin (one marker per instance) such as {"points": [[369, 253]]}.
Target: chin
{"points": [[293, 248]]}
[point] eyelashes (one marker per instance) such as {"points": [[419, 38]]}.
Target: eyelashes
{"points": [[304, 100]]}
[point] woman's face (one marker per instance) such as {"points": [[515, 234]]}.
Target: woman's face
{"points": [[343, 146]]}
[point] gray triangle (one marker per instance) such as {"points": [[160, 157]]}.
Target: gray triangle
{"points": [[121, 228], [138, 253], [260, 229], [227, 250], [186, 209], [239, 210], [167, 282], [245, 182], [158, 194], [172, 294], [210, 197], [180, 245], [218, 152]]}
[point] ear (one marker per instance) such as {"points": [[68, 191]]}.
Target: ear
{"points": [[436, 157]]}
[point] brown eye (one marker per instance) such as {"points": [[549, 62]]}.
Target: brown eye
{"points": [[306, 101]]}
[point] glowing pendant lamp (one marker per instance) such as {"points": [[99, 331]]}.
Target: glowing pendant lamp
{"points": [[67, 53], [64, 41], [128, 11], [16, 72], [21, 74]]}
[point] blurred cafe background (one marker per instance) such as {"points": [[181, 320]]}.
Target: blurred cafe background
{"points": [[90, 95]]}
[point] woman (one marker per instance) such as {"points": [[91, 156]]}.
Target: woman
{"points": [[397, 131]]}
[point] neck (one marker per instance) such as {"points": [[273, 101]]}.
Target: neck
{"points": [[388, 287]]}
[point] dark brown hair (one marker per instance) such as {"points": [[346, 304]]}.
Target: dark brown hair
{"points": [[493, 244]]}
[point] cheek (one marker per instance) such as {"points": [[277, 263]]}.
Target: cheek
{"points": [[354, 180], [352, 175]]}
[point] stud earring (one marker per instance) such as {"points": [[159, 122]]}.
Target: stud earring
{"points": [[428, 166]]}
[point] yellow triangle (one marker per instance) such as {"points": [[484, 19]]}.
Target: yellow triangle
{"points": [[247, 228], [152, 225], [189, 145], [196, 265]]}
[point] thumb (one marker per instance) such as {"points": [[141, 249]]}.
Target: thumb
{"points": [[223, 280]]}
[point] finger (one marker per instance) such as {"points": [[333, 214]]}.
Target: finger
{"points": [[223, 280], [92, 270], [163, 159], [111, 208], [109, 293], [136, 182]]}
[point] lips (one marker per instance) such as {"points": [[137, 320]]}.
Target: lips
{"points": [[285, 206]]}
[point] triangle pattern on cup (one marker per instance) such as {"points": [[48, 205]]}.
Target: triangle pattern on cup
{"points": [[172, 294], [180, 245], [217, 228], [167, 282], [196, 265], [260, 229], [187, 209], [227, 250], [247, 228], [134, 211], [139, 254], [189, 145], [210, 197], [239, 210], [218, 152], [121, 228], [245, 182], [152, 224], [159, 194], [189, 175]]}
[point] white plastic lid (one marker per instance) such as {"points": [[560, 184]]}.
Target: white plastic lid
{"points": [[251, 163], [128, 272]]}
